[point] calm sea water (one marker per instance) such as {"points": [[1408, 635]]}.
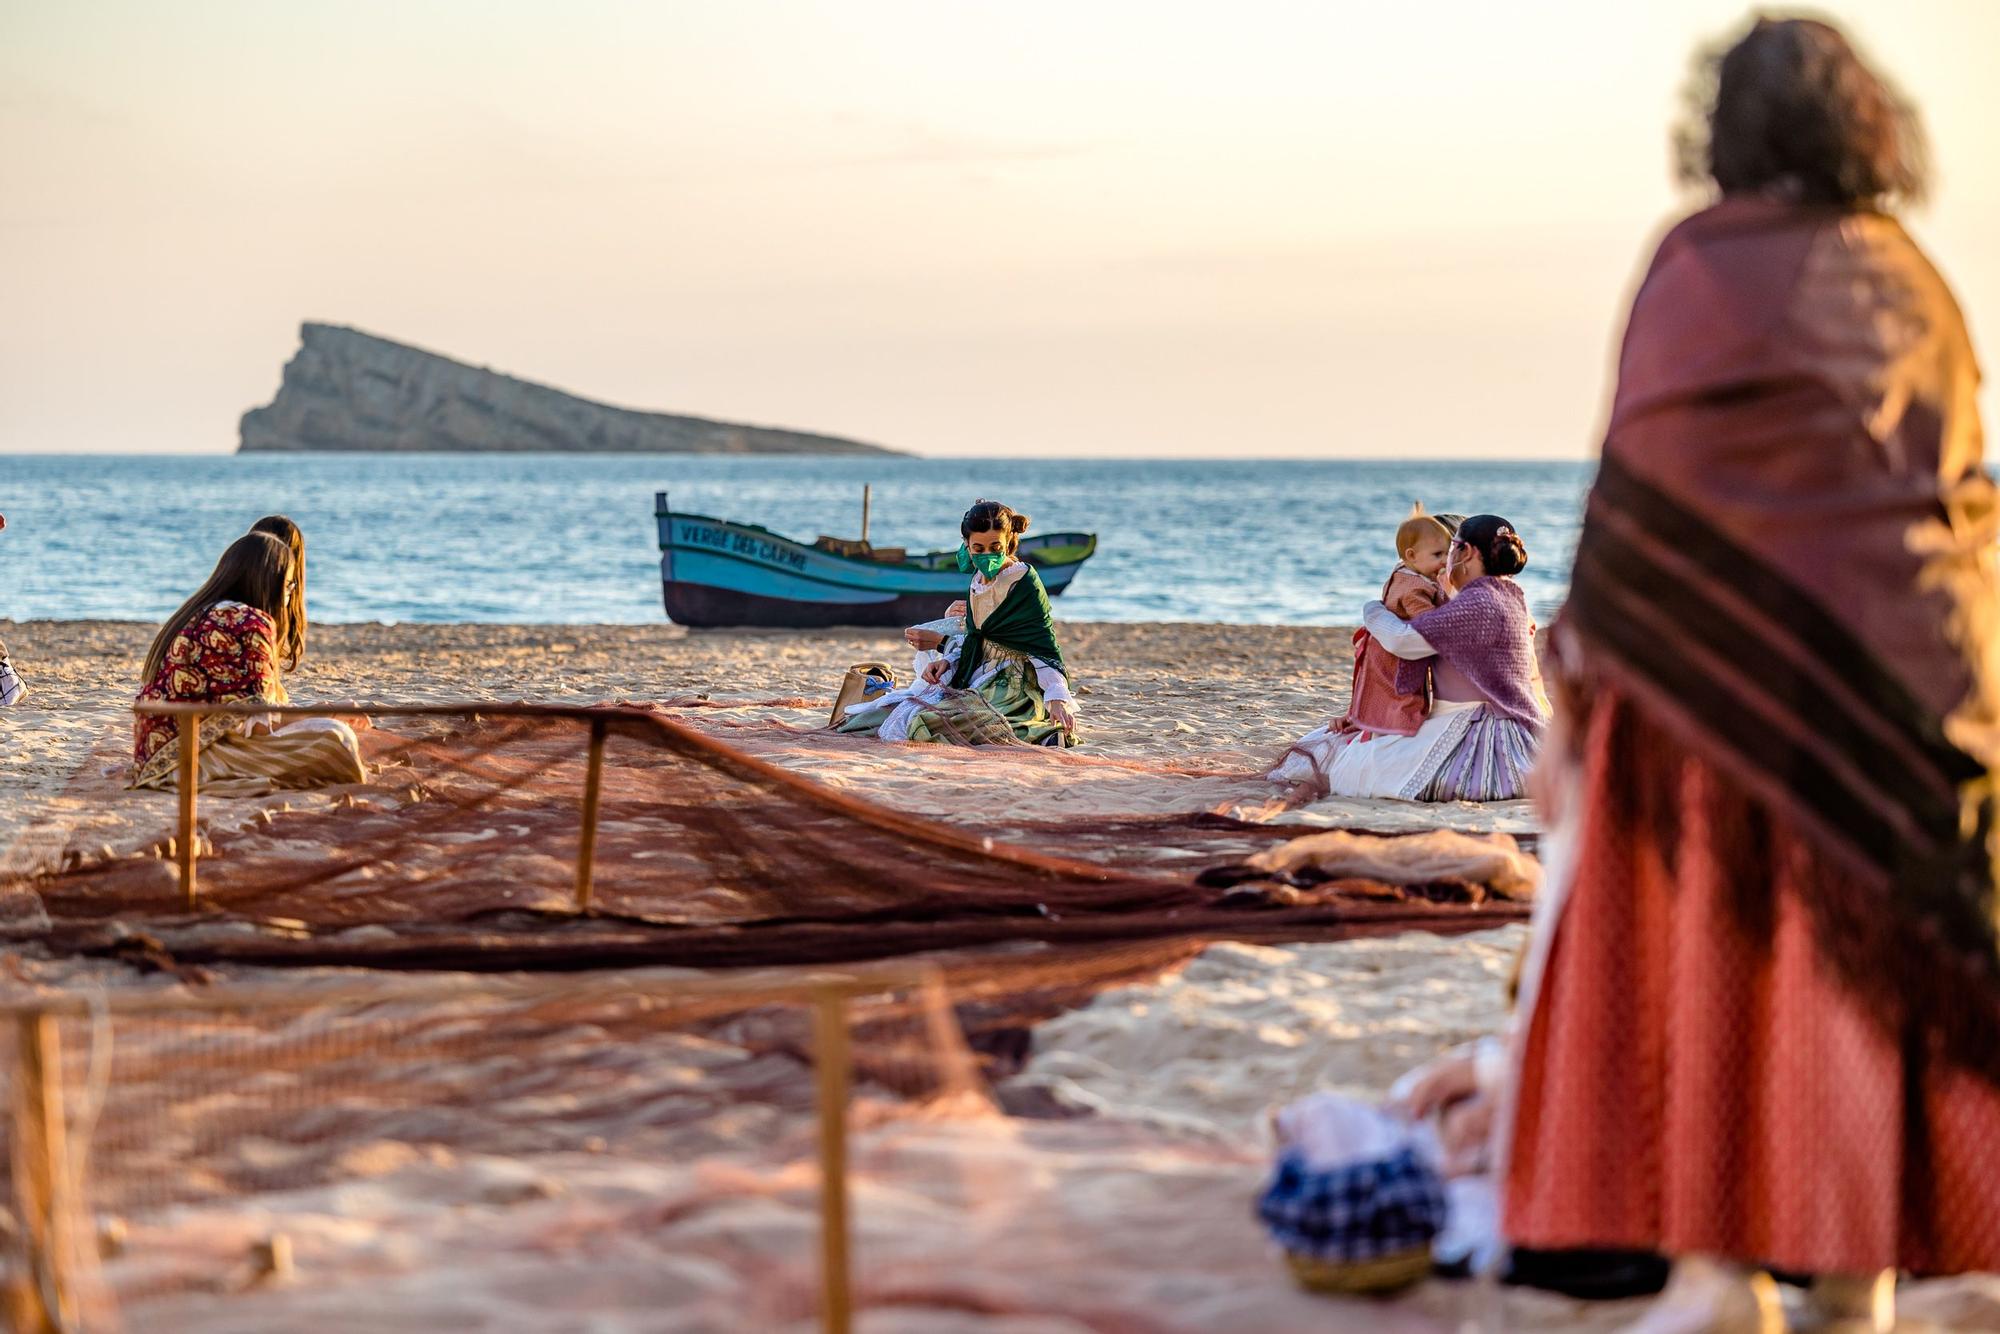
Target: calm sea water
{"points": [[565, 538]]}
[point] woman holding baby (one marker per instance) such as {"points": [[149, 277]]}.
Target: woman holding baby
{"points": [[1465, 667]]}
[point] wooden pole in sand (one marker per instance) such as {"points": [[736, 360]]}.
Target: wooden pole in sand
{"points": [[831, 1059], [866, 495], [190, 768], [44, 1302], [593, 782]]}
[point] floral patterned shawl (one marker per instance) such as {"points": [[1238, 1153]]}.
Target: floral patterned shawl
{"points": [[226, 655]]}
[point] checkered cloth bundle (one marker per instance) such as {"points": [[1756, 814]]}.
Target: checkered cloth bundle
{"points": [[1356, 1212]]}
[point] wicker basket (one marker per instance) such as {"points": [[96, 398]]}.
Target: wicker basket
{"points": [[1385, 1273]]}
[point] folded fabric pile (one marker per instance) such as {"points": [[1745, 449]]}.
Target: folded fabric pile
{"points": [[1494, 862]]}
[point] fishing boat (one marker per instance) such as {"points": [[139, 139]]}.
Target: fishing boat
{"points": [[717, 572]]}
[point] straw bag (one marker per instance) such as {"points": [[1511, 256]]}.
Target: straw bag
{"points": [[864, 681]]}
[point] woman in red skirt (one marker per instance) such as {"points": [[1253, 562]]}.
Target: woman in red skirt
{"points": [[1762, 1016]]}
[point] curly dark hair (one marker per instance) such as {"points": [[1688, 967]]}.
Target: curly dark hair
{"points": [[1791, 108]]}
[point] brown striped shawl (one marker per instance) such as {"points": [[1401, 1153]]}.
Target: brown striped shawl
{"points": [[1788, 563]]}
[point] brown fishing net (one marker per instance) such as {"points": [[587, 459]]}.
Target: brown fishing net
{"points": [[216, 1155], [633, 1149], [461, 852]]}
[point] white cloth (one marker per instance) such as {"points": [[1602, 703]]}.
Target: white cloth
{"points": [[1381, 765], [1055, 686], [1332, 1131], [333, 725], [950, 628], [1400, 766], [1392, 632]]}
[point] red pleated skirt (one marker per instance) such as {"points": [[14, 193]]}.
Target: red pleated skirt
{"points": [[1697, 1080]]}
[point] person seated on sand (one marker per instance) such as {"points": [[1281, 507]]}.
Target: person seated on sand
{"points": [[1488, 713], [221, 647], [12, 688], [293, 648], [1375, 705], [1004, 681]]}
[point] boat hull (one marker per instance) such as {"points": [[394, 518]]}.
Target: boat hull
{"points": [[704, 606], [714, 573]]}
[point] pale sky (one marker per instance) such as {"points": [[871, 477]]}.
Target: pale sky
{"points": [[1074, 228]]}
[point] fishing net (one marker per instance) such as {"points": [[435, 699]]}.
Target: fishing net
{"points": [[528, 1150], [462, 852], [221, 1152], [639, 1151]]}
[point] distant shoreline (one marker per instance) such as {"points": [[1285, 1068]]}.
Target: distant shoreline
{"points": [[887, 456]]}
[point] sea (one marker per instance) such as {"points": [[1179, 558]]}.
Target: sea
{"points": [[533, 538]]}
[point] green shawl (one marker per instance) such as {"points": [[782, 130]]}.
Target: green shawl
{"points": [[1021, 622]]}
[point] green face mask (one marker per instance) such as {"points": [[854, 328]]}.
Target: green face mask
{"points": [[987, 563]]}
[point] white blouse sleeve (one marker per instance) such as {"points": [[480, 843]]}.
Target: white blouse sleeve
{"points": [[1392, 632], [1055, 687]]}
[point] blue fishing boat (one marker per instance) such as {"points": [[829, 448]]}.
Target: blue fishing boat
{"points": [[717, 572]]}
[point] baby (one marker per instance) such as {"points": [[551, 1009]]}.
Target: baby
{"points": [[1423, 542]]}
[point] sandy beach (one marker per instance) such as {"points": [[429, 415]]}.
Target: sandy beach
{"points": [[1217, 700], [664, 1190]]}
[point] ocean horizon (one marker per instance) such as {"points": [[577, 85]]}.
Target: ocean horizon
{"points": [[570, 538]]}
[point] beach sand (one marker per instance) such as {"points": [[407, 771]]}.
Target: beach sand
{"points": [[1133, 1212], [1218, 701]]}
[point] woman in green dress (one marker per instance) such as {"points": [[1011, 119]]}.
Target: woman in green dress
{"points": [[1002, 682]]}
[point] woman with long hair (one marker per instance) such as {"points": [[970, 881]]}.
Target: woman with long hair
{"points": [[221, 646], [1762, 1009], [293, 643]]}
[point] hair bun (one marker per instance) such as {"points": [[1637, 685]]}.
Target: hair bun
{"points": [[1498, 545]]}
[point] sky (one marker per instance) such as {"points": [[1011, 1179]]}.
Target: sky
{"points": [[1082, 228]]}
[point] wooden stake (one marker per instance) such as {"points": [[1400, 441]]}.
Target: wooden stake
{"points": [[45, 1302], [190, 770], [957, 1071], [866, 495], [587, 845], [831, 1060]]}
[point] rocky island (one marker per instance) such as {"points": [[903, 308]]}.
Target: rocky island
{"points": [[348, 390]]}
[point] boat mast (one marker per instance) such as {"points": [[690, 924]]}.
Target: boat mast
{"points": [[866, 489]]}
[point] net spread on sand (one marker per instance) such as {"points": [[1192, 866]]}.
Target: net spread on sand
{"points": [[523, 1150], [372, 1136], [461, 851]]}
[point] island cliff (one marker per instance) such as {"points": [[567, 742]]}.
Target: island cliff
{"points": [[348, 390]]}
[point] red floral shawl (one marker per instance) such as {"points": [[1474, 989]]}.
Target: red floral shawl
{"points": [[225, 655]]}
